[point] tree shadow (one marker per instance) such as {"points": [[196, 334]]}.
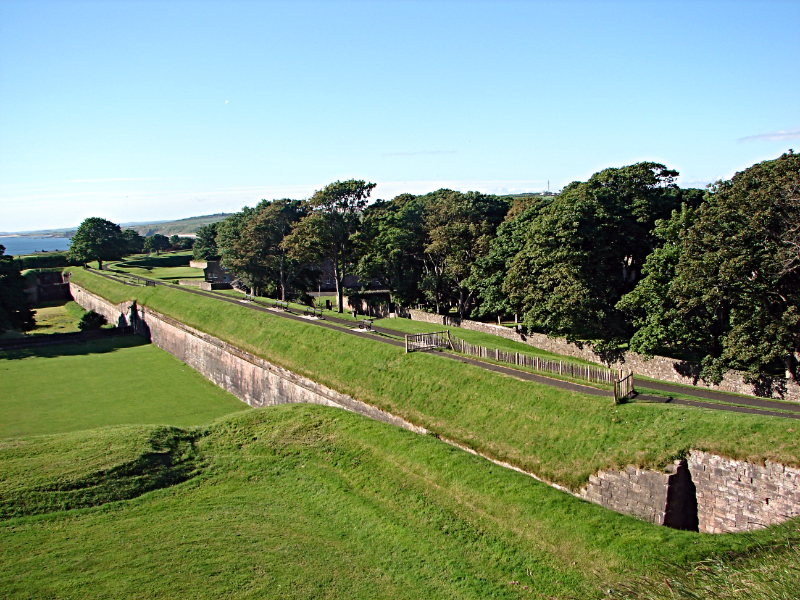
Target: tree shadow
{"points": [[96, 346]]}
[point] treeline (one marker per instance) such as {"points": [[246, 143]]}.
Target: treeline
{"points": [[625, 259]]}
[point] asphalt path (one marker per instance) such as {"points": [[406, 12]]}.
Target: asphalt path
{"points": [[753, 406]]}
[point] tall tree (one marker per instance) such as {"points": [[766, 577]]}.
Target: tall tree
{"points": [[15, 313], [133, 241], [258, 256], [205, 245], [97, 239], [488, 272], [458, 227], [329, 230], [157, 242], [737, 273], [392, 244], [586, 250]]}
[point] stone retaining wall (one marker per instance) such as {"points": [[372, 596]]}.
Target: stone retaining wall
{"points": [[708, 492], [248, 377], [659, 367]]}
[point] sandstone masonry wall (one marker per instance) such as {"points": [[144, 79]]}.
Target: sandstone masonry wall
{"points": [[248, 377], [730, 495], [659, 367], [733, 495]]}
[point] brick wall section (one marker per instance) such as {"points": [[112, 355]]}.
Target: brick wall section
{"points": [[659, 367], [734, 495], [731, 495]]}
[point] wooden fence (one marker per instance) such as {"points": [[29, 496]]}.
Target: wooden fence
{"points": [[589, 373], [428, 341], [623, 387]]}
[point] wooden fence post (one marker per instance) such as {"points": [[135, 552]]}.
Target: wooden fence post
{"points": [[517, 358], [561, 367], [406, 343]]}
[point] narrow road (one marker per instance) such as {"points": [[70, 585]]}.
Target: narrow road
{"points": [[754, 406]]}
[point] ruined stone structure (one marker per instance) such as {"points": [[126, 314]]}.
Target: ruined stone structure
{"points": [[659, 367], [703, 492]]}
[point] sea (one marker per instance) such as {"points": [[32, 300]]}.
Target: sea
{"points": [[16, 245]]}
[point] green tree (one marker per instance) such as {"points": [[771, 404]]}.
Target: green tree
{"points": [[328, 230], [251, 247], [392, 244], [175, 240], [738, 274], [156, 242], [458, 230], [97, 239], [15, 313], [489, 272], [586, 249], [205, 244], [133, 241]]}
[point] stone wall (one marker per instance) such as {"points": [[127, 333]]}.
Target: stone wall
{"points": [[734, 495], [659, 367], [705, 491], [248, 377]]}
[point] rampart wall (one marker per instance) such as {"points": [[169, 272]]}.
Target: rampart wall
{"points": [[704, 491], [659, 367]]}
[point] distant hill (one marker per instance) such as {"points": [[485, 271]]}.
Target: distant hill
{"points": [[146, 228], [182, 226]]}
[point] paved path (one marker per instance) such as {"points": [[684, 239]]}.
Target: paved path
{"points": [[763, 403], [756, 406]]}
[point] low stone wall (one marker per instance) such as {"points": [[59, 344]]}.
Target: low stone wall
{"points": [[659, 367], [708, 492]]}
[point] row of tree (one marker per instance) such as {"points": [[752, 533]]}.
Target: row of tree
{"points": [[101, 240], [625, 258]]}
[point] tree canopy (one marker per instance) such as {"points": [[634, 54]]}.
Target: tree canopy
{"points": [[15, 313], [327, 232], [205, 244], [98, 239]]}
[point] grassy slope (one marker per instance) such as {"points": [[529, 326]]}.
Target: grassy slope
{"points": [[312, 502], [122, 381], [561, 436], [57, 317], [170, 266]]}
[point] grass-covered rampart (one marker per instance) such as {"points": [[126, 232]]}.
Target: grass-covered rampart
{"points": [[561, 436], [313, 502]]}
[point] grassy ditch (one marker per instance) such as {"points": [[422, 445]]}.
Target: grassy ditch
{"points": [[114, 381], [313, 502], [561, 436]]}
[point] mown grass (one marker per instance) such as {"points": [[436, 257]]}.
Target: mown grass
{"points": [[314, 502], [561, 436], [57, 317], [117, 381], [170, 266]]}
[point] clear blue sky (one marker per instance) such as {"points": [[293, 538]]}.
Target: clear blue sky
{"points": [[138, 111]]}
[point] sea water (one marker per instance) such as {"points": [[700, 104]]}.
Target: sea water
{"points": [[17, 245]]}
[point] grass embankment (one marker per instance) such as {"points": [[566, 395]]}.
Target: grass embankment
{"points": [[57, 317], [313, 502], [168, 267], [117, 381], [561, 436]]}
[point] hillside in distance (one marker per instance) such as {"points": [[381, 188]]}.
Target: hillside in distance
{"points": [[181, 226]]}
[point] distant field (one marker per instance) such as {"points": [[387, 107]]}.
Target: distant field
{"points": [[121, 381]]}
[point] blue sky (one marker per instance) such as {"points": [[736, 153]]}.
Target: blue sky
{"points": [[138, 111]]}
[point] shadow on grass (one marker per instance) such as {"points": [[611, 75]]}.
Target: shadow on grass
{"points": [[170, 458], [101, 346]]}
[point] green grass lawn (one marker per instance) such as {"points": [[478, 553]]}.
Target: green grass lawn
{"points": [[57, 317], [561, 436], [169, 266], [315, 502], [119, 381]]}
